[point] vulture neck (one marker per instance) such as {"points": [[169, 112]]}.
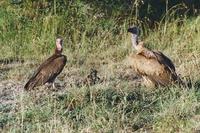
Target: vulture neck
{"points": [[134, 40], [58, 52]]}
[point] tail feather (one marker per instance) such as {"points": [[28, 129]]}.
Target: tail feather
{"points": [[29, 86], [31, 83], [184, 83]]}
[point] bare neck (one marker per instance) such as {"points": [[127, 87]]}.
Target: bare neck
{"points": [[58, 52], [134, 40], [138, 46]]}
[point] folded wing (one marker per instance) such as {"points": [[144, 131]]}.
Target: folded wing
{"points": [[156, 66], [47, 72]]}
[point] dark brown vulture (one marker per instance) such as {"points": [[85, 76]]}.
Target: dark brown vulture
{"points": [[49, 69], [155, 68]]}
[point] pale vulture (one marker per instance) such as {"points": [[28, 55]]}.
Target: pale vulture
{"points": [[155, 68]]}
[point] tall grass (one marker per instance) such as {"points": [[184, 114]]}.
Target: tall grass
{"points": [[92, 39]]}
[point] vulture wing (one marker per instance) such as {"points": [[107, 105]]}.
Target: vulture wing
{"points": [[154, 65], [47, 72]]}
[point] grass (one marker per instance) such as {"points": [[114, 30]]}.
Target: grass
{"points": [[105, 109], [115, 105]]}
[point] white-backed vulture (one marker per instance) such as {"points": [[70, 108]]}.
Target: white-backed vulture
{"points": [[155, 68], [49, 69]]}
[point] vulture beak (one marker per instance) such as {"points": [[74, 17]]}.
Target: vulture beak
{"points": [[134, 30]]}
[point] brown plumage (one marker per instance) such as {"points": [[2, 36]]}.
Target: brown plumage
{"points": [[49, 69], [155, 68]]}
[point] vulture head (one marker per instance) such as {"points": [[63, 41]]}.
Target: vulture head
{"points": [[134, 30], [134, 36], [59, 44]]}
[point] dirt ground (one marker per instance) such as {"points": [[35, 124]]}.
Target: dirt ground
{"points": [[13, 77]]}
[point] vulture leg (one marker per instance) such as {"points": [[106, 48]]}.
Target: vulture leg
{"points": [[53, 85], [50, 85]]}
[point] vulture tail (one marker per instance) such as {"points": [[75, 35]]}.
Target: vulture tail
{"points": [[29, 86], [182, 83], [31, 83]]}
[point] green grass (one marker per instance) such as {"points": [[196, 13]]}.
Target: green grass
{"points": [[94, 41], [107, 109]]}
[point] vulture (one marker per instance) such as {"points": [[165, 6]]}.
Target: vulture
{"points": [[49, 69], [154, 67]]}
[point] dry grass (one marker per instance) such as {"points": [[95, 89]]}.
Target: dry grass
{"points": [[119, 103]]}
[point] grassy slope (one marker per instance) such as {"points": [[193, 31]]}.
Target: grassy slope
{"points": [[116, 104]]}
